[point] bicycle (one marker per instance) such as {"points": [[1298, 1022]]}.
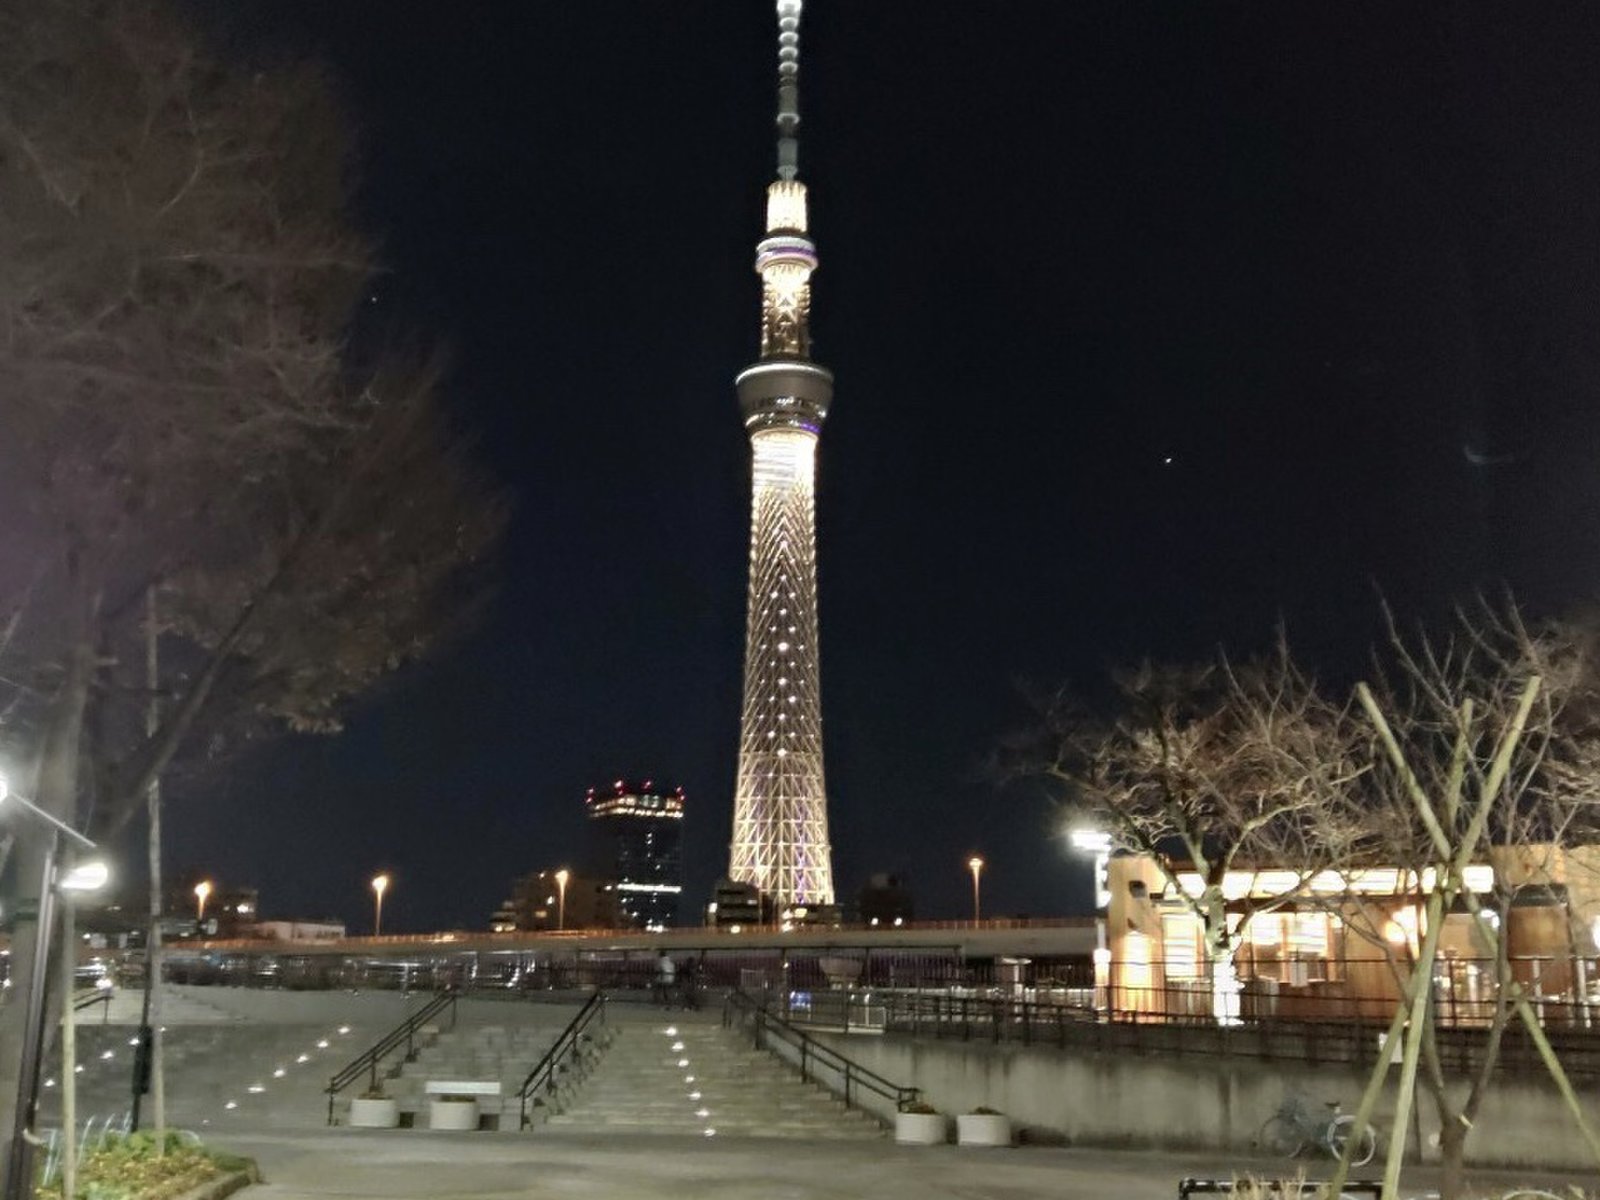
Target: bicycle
{"points": [[1294, 1127]]}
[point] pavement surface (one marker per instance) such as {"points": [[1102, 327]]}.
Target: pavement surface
{"points": [[353, 1164]]}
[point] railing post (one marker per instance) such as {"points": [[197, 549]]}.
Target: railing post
{"points": [[847, 1102]]}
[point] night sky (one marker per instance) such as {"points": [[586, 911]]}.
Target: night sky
{"points": [[1152, 324]]}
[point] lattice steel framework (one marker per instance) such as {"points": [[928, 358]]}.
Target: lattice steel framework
{"points": [[780, 815]]}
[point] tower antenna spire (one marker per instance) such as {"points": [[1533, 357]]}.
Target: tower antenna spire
{"points": [[788, 88]]}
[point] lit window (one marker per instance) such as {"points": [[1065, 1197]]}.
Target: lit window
{"points": [[1180, 937]]}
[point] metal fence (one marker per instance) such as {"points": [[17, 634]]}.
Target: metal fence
{"points": [[977, 1015]]}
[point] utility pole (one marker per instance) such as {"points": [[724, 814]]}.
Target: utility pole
{"points": [[148, 1075]]}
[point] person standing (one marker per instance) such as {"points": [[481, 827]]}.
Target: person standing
{"points": [[666, 978]]}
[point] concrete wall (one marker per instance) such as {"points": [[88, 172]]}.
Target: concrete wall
{"points": [[1196, 1102]]}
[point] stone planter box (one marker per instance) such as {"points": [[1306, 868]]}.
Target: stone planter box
{"points": [[450, 1113], [983, 1129], [382, 1113], [921, 1129]]}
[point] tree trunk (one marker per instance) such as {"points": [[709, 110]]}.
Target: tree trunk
{"points": [[1452, 1160], [1224, 969], [1225, 987]]}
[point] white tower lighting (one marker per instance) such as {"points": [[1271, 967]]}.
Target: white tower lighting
{"points": [[780, 814]]}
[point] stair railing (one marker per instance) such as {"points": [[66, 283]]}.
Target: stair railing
{"points": [[768, 1027], [543, 1076], [101, 996], [403, 1034]]}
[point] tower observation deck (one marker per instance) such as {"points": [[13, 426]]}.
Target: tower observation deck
{"points": [[780, 813]]}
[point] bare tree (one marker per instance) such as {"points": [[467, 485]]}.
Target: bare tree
{"points": [[178, 285], [1208, 771], [1483, 744]]}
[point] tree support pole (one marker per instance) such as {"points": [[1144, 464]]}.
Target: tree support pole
{"points": [[1422, 987]]}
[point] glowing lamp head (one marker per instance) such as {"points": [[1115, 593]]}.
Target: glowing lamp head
{"points": [[1092, 841], [974, 864], [88, 876], [562, 876], [380, 884]]}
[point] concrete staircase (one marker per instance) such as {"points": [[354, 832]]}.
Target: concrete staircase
{"points": [[681, 1073], [479, 1052]]}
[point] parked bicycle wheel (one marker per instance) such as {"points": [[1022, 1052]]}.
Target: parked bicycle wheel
{"points": [[1340, 1133], [1281, 1136]]}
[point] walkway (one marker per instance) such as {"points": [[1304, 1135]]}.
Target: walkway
{"points": [[356, 1164]]}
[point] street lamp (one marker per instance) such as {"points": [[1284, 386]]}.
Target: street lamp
{"points": [[1098, 843], [54, 883], [380, 884], [202, 892], [561, 892], [975, 865]]}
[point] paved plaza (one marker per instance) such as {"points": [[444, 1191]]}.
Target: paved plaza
{"points": [[248, 1068], [354, 1164]]}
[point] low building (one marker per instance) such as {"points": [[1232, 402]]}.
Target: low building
{"points": [[558, 899], [885, 900], [737, 903], [216, 910], [1322, 947]]}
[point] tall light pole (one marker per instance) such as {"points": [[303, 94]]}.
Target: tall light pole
{"points": [[86, 877], [1098, 843], [380, 884], [975, 865], [72, 881], [202, 892], [561, 892]]}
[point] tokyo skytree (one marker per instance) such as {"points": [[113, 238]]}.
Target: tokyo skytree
{"points": [[780, 812]]}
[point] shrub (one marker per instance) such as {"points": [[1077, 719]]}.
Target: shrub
{"points": [[128, 1167]]}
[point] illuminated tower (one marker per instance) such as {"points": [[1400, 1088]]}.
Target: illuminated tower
{"points": [[780, 811]]}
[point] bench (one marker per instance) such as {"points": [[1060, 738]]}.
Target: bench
{"points": [[462, 1087], [1311, 1187], [442, 1114]]}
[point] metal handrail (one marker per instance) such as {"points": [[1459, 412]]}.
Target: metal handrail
{"points": [[543, 1075], [403, 1033], [1309, 1187], [810, 1050], [98, 996]]}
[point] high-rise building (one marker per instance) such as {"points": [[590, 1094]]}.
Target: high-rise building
{"points": [[636, 838], [780, 813]]}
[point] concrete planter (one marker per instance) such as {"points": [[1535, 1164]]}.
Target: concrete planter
{"points": [[983, 1129], [382, 1113], [921, 1129], [450, 1112]]}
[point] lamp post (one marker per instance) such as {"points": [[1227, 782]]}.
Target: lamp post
{"points": [[975, 865], [380, 884], [87, 876], [561, 897], [202, 892], [1098, 843]]}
